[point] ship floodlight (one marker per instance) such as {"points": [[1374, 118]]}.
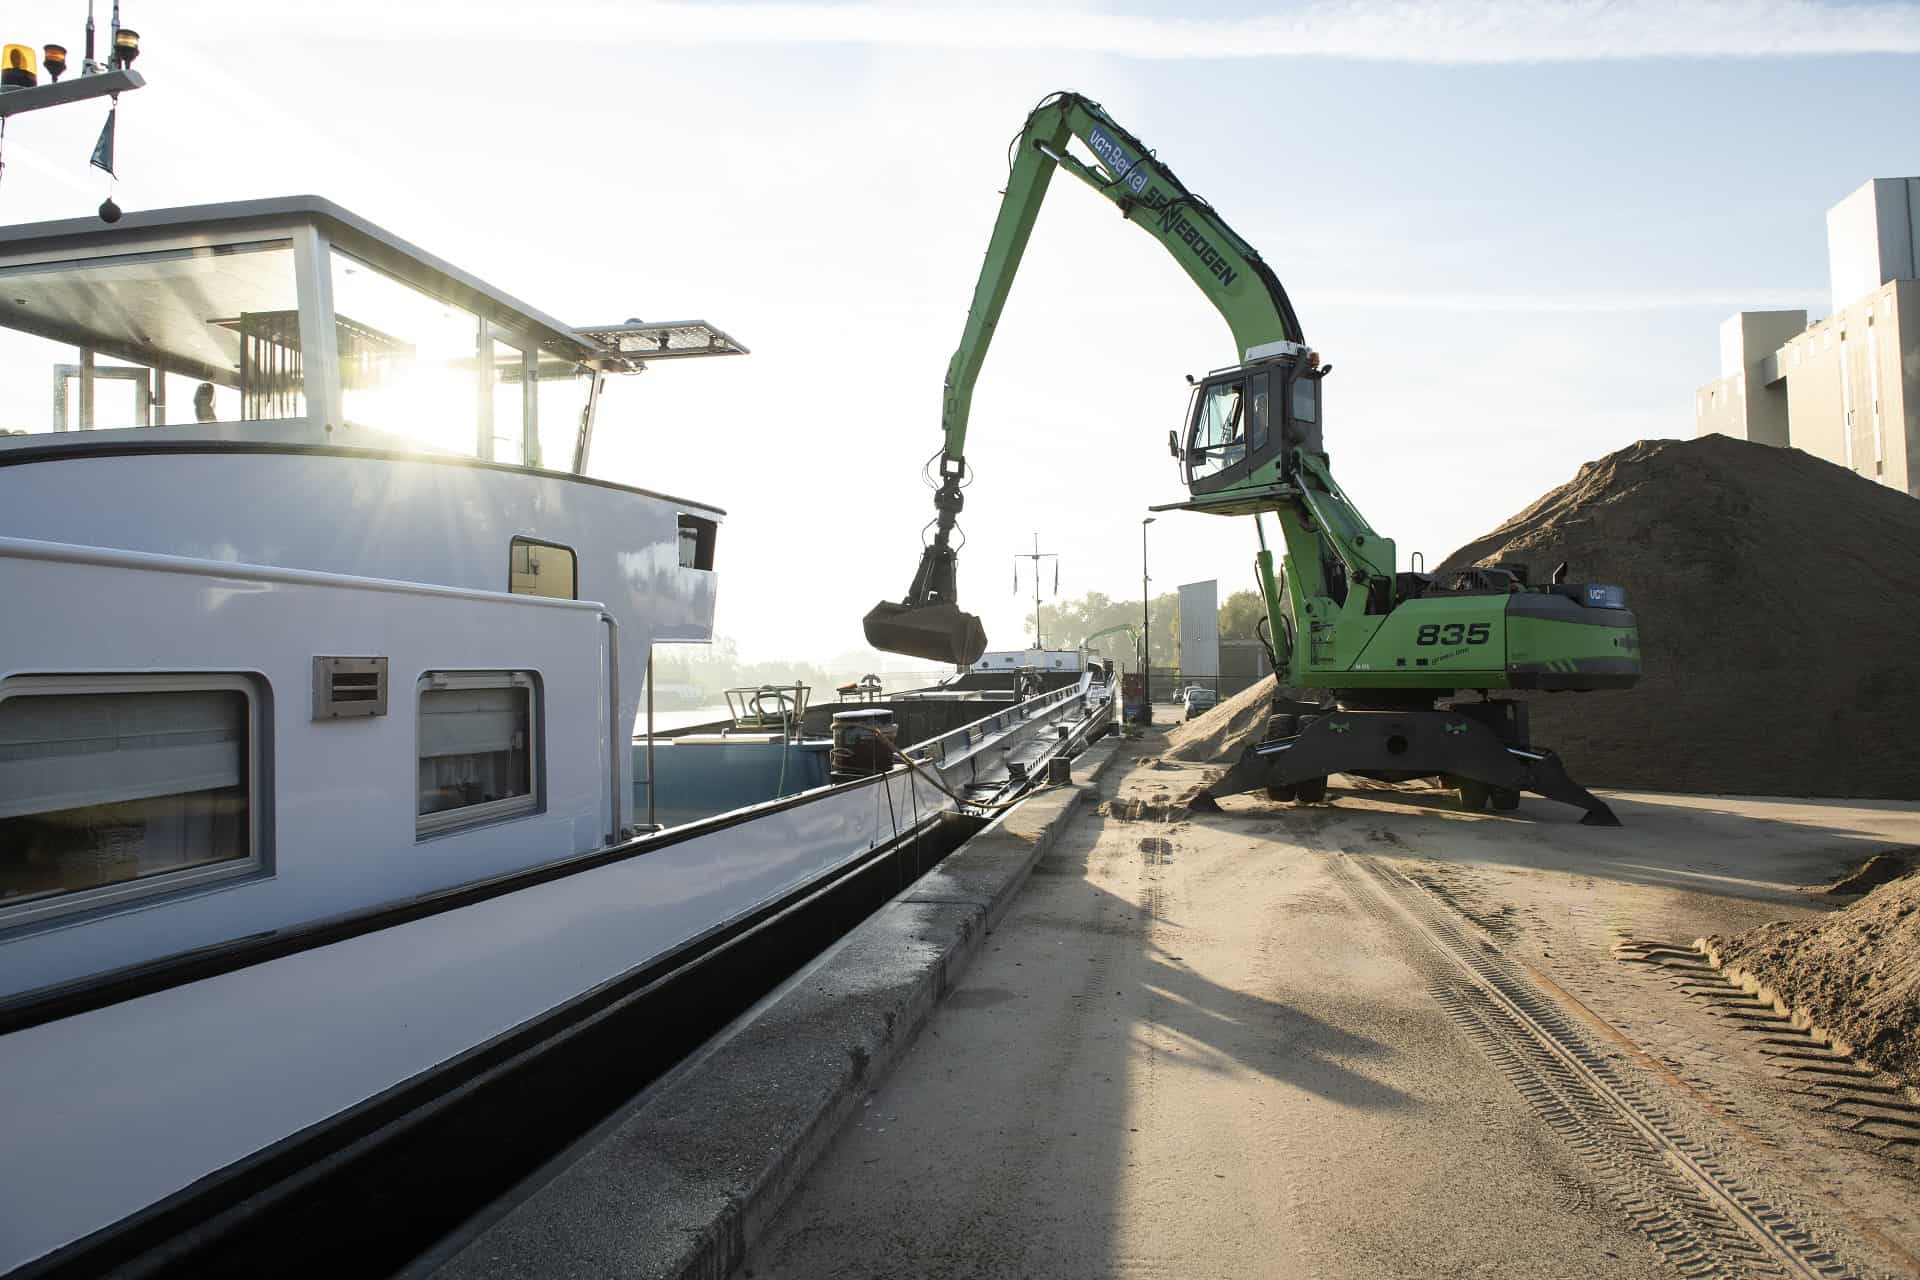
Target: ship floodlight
{"points": [[126, 46], [19, 67], [55, 56]]}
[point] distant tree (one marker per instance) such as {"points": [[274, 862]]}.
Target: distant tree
{"points": [[1240, 614], [1066, 624]]}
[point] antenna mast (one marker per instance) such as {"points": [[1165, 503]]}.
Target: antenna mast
{"points": [[1037, 555]]}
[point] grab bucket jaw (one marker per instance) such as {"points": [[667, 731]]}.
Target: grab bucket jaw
{"points": [[935, 632]]}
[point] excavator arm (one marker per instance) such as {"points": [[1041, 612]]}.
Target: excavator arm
{"points": [[928, 622], [1391, 649]]}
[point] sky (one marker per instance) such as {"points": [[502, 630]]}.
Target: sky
{"points": [[1513, 228]]}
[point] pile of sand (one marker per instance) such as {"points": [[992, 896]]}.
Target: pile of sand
{"points": [[1217, 736], [1778, 600], [1855, 972]]}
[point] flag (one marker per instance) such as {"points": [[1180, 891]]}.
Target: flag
{"points": [[103, 149]]}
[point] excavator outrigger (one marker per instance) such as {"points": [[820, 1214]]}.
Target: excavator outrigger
{"points": [[1379, 655]]}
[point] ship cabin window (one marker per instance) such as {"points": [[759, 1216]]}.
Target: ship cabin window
{"points": [[479, 748], [536, 568], [697, 537], [207, 334], [438, 376], [117, 787]]}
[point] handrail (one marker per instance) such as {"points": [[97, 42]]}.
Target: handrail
{"points": [[987, 728], [613, 718]]}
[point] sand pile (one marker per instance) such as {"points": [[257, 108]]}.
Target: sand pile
{"points": [[1856, 972], [1778, 599], [1218, 735]]}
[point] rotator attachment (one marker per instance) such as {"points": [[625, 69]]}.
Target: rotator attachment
{"points": [[928, 623]]}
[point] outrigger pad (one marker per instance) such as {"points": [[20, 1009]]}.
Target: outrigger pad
{"points": [[935, 632]]}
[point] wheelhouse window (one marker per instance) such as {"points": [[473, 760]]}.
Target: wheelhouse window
{"points": [[113, 787], [441, 377], [537, 568], [1218, 437], [478, 757], [204, 334]]}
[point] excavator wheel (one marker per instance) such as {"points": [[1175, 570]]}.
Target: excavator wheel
{"points": [[1503, 799], [1474, 794], [1281, 726], [1311, 790]]}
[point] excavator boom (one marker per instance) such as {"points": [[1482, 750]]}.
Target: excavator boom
{"points": [[928, 622]]}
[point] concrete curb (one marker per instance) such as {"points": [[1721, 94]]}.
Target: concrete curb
{"points": [[677, 1185]]}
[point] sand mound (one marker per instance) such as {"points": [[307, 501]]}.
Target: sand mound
{"points": [[1856, 972], [1217, 736], [1778, 598]]}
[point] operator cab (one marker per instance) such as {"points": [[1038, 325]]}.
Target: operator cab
{"points": [[1241, 419]]}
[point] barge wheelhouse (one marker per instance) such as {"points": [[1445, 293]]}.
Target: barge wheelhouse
{"points": [[295, 611], [321, 807]]}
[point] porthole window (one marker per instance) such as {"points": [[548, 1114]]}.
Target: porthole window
{"points": [[114, 787], [536, 568], [479, 758]]}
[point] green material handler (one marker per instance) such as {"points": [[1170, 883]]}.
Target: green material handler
{"points": [[1373, 657]]}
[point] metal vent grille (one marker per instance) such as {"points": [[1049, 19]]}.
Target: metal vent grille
{"points": [[344, 687], [637, 343]]}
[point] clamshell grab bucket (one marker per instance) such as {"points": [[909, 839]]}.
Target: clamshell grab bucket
{"points": [[936, 632]]}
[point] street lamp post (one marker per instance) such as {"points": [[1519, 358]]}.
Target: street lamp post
{"points": [[1146, 628]]}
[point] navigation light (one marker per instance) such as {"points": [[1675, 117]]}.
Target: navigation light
{"points": [[19, 69]]}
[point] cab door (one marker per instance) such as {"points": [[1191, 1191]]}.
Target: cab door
{"points": [[1229, 432]]}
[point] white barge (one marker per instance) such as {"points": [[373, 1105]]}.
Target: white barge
{"points": [[320, 658]]}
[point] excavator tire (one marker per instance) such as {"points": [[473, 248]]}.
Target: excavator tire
{"points": [[1503, 799], [1474, 794], [1311, 790]]}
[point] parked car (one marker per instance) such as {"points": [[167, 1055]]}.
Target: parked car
{"points": [[1198, 700]]}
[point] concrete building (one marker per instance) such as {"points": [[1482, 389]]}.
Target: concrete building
{"points": [[1200, 631], [1845, 388]]}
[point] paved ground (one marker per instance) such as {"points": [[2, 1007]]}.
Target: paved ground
{"points": [[1369, 1039]]}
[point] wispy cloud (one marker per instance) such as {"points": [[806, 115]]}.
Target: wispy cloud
{"points": [[1430, 31]]}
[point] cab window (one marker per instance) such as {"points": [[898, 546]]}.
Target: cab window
{"points": [[1259, 410], [1218, 438]]}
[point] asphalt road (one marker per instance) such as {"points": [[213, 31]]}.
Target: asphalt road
{"points": [[1261, 1044]]}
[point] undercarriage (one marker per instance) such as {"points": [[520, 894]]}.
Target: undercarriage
{"points": [[1479, 749]]}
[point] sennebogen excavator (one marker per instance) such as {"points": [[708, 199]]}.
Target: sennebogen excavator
{"points": [[1377, 656]]}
